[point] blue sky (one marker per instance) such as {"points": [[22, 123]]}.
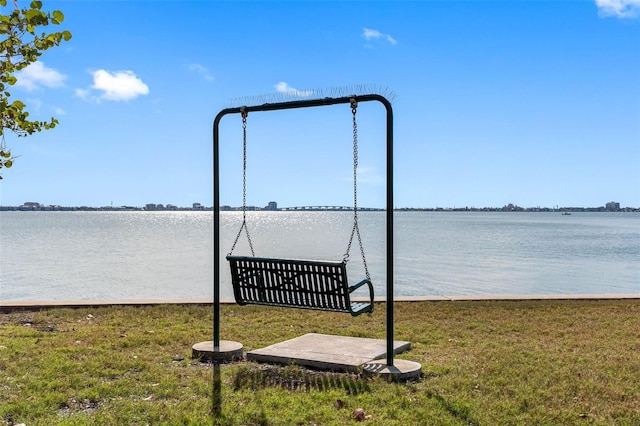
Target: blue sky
{"points": [[535, 103]]}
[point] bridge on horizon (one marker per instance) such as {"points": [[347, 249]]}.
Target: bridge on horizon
{"points": [[327, 208]]}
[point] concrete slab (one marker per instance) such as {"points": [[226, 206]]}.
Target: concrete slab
{"points": [[326, 352]]}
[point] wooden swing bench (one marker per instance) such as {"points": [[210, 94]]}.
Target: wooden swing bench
{"points": [[294, 283]]}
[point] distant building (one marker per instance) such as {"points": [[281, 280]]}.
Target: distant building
{"points": [[612, 206], [150, 207], [512, 208], [198, 206], [272, 206], [31, 205]]}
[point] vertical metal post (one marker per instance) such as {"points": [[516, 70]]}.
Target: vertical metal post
{"points": [[216, 232], [389, 233]]}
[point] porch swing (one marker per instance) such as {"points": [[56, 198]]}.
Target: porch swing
{"points": [[298, 283]]}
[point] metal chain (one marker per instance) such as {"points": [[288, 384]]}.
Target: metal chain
{"points": [[356, 229], [244, 114]]}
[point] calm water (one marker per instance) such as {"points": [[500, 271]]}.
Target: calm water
{"points": [[158, 255]]}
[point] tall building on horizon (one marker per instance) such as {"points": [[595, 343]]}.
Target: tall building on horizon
{"points": [[612, 206]]}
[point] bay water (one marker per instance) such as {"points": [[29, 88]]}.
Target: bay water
{"points": [[126, 255]]}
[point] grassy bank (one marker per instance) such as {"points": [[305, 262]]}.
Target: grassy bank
{"points": [[484, 363]]}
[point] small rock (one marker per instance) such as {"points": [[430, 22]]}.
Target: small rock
{"points": [[339, 403], [359, 415]]}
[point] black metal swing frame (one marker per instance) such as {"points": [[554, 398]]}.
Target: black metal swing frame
{"points": [[330, 265]]}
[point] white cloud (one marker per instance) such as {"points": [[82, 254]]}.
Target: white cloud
{"points": [[36, 75], [370, 34], [283, 87], [114, 86], [34, 104], [619, 8], [60, 111], [201, 70], [82, 94], [368, 175], [119, 85]]}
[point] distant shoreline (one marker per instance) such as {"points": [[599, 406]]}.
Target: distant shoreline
{"points": [[329, 208]]}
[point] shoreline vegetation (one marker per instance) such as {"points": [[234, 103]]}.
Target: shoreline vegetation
{"points": [[544, 362]]}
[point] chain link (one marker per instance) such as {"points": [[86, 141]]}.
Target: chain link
{"points": [[244, 114], [356, 229]]}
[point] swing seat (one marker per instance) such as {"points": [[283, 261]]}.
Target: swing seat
{"points": [[295, 283]]}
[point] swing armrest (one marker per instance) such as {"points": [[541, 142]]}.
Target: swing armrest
{"points": [[360, 284]]}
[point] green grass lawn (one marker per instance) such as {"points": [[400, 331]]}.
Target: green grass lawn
{"points": [[484, 363]]}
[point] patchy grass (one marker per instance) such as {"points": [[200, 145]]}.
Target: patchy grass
{"points": [[484, 363]]}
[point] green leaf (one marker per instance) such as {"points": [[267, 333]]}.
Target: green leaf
{"points": [[58, 16], [31, 14], [66, 35], [8, 163]]}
